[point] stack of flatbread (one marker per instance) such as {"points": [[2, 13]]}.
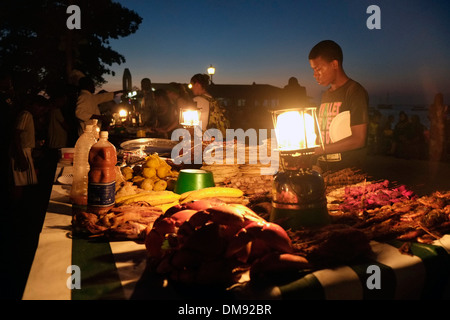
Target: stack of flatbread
{"points": [[222, 171], [250, 165]]}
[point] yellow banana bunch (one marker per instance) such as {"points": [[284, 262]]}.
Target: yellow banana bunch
{"points": [[211, 192], [165, 206], [154, 198]]}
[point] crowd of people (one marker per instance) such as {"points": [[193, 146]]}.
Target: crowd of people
{"points": [[31, 140], [40, 124], [407, 138], [160, 108]]}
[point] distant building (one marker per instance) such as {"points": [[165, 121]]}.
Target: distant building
{"points": [[248, 106]]}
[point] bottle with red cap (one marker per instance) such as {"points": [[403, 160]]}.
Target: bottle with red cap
{"points": [[102, 175]]}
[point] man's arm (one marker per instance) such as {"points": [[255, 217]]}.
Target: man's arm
{"points": [[103, 97], [355, 141]]}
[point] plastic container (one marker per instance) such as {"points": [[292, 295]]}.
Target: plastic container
{"points": [[79, 190], [102, 175], [193, 179], [66, 155]]}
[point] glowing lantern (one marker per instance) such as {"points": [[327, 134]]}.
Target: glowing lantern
{"points": [[298, 192], [297, 129], [189, 117]]}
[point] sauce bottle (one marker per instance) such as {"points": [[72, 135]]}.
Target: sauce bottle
{"points": [[102, 175]]}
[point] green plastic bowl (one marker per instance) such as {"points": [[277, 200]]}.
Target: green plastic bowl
{"points": [[193, 179]]}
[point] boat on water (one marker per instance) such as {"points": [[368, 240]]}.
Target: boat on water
{"points": [[419, 108], [385, 105]]}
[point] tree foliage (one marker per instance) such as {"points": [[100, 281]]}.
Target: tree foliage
{"points": [[38, 48]]}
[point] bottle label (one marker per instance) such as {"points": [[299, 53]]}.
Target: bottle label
{"points": [[101, 194]]}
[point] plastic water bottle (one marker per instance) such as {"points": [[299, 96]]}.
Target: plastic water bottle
{"points": [[102, 175], [79, 191]]}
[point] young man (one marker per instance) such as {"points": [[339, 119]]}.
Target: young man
{"points": [[344, 136]]}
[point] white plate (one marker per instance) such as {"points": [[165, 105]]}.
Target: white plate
{"points": [[340, 127], [65, 179]]}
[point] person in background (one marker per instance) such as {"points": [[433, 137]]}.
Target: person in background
{"points": [[9, 111], [58, 128], [373, 133], [68, 112], [87, 103], [178, 98], [167, 115], [148, 104], [24, 141], [386, 133], [293, 95], [417, 140], [343, 94], [202, 97], [178, 95], [400, 137]]}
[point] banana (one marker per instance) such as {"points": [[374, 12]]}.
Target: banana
{"points": [[185, 195], [154, 198], [212, 192], [165, 206], [120, 200]]}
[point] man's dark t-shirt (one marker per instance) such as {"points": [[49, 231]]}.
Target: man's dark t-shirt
{"points": [[351, 97]]}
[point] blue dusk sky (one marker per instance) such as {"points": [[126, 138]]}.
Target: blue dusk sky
{"points": [[267, 42]]}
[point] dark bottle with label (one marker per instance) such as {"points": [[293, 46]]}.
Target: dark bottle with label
{"points": [[102, 175]]}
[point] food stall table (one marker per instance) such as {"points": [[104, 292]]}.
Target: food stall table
{"points": [[117, 270]]}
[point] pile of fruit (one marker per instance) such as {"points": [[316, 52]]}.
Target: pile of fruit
{"points": [[155, 174]]}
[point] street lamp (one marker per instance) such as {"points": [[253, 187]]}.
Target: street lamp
{"points": [[211, 71]]}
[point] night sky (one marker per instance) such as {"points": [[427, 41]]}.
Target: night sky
{"points": [[407, 61]]}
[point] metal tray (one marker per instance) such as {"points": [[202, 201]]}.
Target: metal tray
{"points": [[149, 145]]}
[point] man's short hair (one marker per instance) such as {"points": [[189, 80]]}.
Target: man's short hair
{"points": [[328, 50]]}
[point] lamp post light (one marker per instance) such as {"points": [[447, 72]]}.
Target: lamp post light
{"points": [[211, 72]]}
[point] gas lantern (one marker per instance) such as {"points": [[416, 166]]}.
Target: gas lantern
{"points": [[298, 192], [189, 117]]}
